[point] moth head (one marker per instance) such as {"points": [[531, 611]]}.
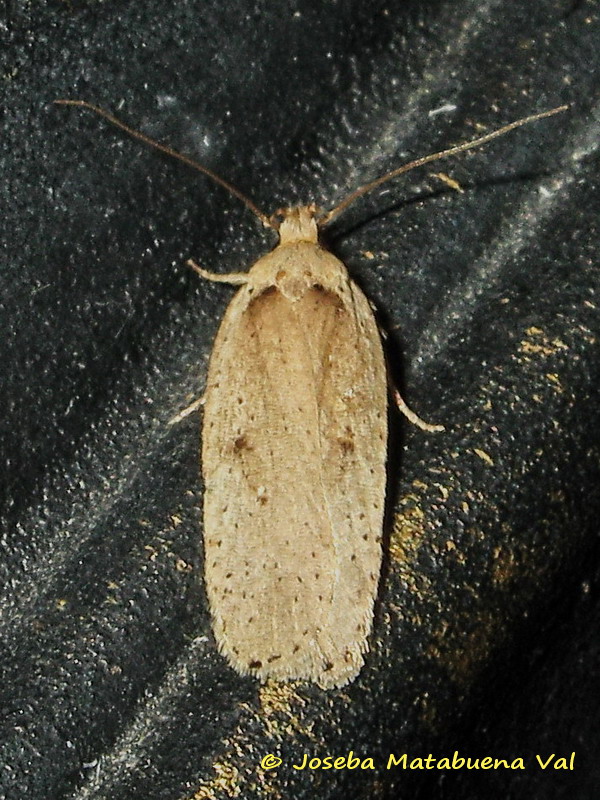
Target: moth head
{"points": [[297, 224]]}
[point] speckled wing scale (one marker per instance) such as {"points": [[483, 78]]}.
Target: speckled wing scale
{"points": [[293, 458], [294, 449]]}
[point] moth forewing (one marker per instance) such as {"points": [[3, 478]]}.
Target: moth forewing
{"points": [[293, 458]]}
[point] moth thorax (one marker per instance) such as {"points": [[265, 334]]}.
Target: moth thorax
{"points": [[298, 225]]}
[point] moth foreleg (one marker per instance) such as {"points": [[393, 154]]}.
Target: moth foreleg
{"points": [[187, 411], [235, 278]]}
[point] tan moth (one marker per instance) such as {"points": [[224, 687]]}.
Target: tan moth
{"points": [[294, 450]]}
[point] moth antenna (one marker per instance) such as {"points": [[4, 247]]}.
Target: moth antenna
{"points": [[419, 162], [264, 218]]}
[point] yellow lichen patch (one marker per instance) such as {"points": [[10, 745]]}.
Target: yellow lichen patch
{"points": [[484, 456], [407, 531], [555, 381], [504, 566], [224, 784], [278, 702], [538, 344], [451, 182]]}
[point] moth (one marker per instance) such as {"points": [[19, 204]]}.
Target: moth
{"points": [[294, 449]]}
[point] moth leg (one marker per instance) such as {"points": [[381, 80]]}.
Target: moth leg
{"points": [[235, 278], [411, 416], [187, 411]]}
